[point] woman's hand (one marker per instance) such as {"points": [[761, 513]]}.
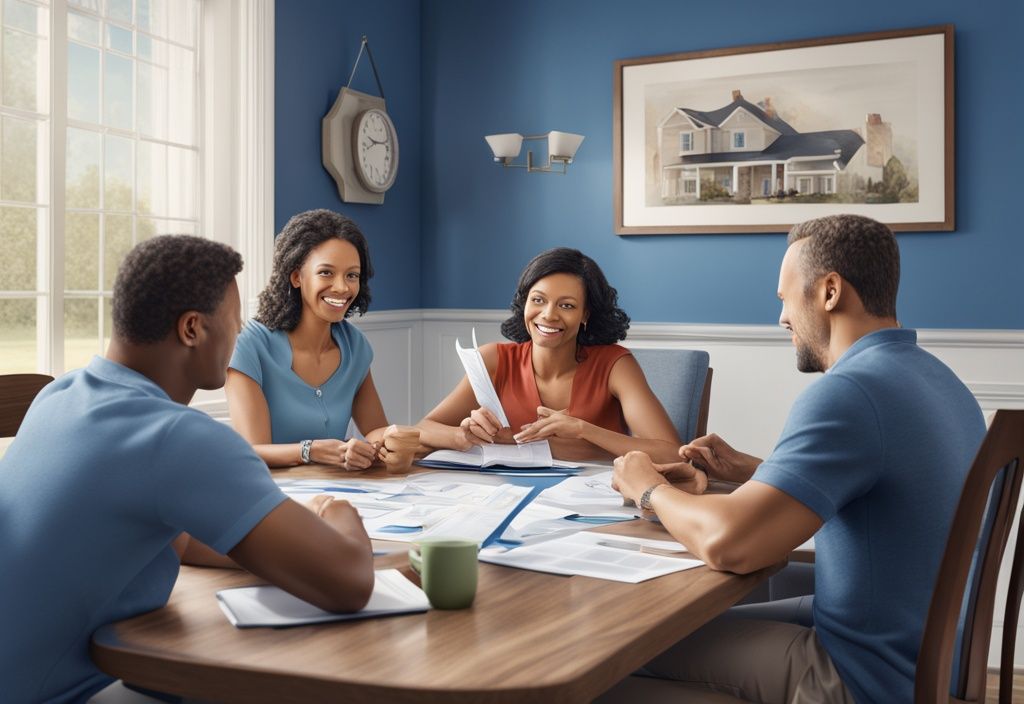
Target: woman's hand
{"points": [[399, 446], [348, 454], [552, 424], [685, 476], [634, 474], [481, 427]]}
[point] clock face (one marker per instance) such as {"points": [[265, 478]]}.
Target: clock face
{"points": [[376, 150]]}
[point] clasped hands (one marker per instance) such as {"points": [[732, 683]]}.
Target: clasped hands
{"points": [[396, 450], [482, 427]]}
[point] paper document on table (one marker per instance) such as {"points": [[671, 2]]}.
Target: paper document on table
{"points": [[480, 380], [531, 454], [601, 555], [539, 522], [591, 494], [471, 511], [248, 607]]}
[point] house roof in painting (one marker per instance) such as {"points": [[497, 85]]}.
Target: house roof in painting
{"points": [[838, 145], [716, 117]]}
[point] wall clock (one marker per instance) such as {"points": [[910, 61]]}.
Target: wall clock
{"points": [[359, 143], [375, 150]]}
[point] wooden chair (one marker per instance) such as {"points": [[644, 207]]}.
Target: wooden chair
{"points": [[952, 663], [681, 379], [16, 394]]}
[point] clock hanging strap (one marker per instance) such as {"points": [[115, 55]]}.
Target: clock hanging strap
{"points": [[373, 64]]}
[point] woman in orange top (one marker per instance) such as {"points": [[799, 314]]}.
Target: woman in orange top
{"points": [[562, 378]]}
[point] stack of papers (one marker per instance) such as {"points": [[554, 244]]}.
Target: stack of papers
{"points": [[601, 555], [249, 607]]}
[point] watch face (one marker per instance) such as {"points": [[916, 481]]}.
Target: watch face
{"points": [[376, 150]]}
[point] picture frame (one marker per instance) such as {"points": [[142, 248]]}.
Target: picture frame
{"points": [[757, 138]]}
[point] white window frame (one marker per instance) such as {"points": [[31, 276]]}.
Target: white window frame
{"points": [[828, 184], [236, 131], [739, 136], [686, 141], [690, 186]]}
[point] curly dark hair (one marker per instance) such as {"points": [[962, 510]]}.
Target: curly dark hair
{"points": [[280, 304], [861, 250], [606, 323], [165, 276]]}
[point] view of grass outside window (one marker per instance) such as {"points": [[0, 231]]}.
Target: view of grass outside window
{"points": [[129, 140]]}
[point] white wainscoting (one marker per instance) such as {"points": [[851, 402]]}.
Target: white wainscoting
{"points": [[755, 380]]}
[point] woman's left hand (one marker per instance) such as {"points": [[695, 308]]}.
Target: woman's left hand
{"points": [[551, 424]]}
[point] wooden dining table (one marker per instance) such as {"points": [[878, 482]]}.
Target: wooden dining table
{"points": [[528, 636]]}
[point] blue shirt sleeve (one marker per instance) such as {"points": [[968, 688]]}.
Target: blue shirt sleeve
{"points": [[246, 357], [213, 485], [830, 451]]}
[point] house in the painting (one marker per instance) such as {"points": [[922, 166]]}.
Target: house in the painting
{"points": [[748, 151]]}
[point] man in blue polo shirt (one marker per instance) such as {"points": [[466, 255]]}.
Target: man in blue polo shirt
{"points": [[113, 480], [871, 462]]}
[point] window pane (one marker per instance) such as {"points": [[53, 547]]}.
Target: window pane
{"points": [[151, 178], [83, 83], [83, 169], [25, 16], [152, 100], [93, 5], [151, 227], [18, 343], [117, 174], [120, 10], [82, 251], [182, 180], [181, 101], [18, 159], [108, 321], [117, 91], [18, 232], [85, 29], [182, 22], [21, 66], [81, 331], [117, 240], [119, 39], [152, 16]]}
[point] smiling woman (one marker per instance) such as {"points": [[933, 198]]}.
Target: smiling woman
{"points": [[562, 378], [300, 371]]}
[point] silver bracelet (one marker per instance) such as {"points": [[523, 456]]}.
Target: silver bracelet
{"points": [[304, 447]]}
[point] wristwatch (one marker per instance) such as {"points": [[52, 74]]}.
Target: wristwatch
{"points": [[645, 498], [304, 447]]}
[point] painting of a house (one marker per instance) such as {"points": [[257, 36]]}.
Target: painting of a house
{"points": [[744, 152]]}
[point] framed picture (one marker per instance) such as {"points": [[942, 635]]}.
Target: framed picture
{"points": [[757, 138]]}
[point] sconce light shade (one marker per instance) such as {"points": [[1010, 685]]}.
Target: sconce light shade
{"points": [[563, 145], [505, 146]]}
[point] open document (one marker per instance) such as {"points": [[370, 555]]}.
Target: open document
{"points": [[248, 607], [601, 555]]}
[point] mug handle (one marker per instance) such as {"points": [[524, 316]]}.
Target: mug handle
{"points": [[416, 561]]}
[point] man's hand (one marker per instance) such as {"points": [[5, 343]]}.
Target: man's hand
{"points": [[685, 476], [713, 455], [634, 474], [551, 424]]}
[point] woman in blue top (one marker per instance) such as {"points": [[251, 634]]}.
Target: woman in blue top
{"points": [[300, 371]]}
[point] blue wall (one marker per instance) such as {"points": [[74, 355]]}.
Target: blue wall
{"points": [[316, 46], [533, 65]]}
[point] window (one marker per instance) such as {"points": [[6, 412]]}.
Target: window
{"points": [[98, 153], [739, 139], [766, 187], [686, 141], [828, 184], [803, 185], [690, 186]]}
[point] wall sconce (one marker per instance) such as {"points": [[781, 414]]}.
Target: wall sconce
{"points": [[562, 148]]}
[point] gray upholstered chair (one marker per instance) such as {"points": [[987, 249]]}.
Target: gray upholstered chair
{"points": [[681, 379]]}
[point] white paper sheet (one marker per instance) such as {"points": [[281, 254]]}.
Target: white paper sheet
{"points": [[266, 605], [581, 554], [480, 380]]}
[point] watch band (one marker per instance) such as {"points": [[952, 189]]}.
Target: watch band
{"points": [[645, 498], [304, 447]]}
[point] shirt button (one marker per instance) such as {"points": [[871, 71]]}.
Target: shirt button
{"points": [[319, 393]]}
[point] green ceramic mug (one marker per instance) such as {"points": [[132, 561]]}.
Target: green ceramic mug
{"points": [[447, 568]]}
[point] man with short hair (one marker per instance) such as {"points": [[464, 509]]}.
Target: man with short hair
{"points": [[113, 480], [871, 463]]}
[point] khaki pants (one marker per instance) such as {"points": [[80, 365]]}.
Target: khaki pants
{"points": [[742, 655]]}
